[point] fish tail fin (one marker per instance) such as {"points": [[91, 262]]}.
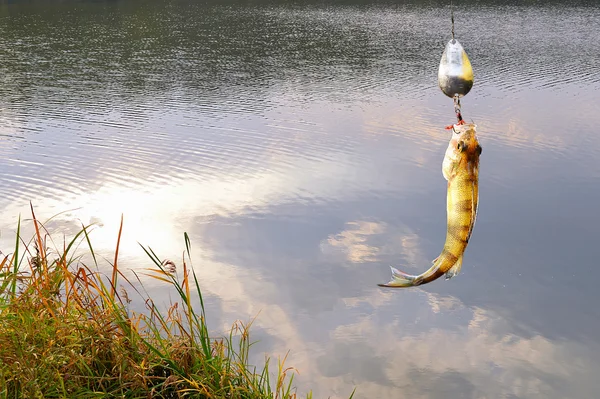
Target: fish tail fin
{"points": [[401, 279]]}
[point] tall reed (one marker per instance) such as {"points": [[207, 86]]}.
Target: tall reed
{"points": [[66, 331]]}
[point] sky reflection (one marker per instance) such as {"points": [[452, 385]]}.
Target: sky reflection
{"points": [[301, 150]]}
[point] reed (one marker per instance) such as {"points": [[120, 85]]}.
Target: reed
{"points": [[67, 330]]}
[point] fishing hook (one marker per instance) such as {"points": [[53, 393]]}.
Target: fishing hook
{"points": [[457, 109]]}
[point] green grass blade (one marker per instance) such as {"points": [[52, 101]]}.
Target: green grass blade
{"points": [[87, 238], [71, 243], [13, 288]]}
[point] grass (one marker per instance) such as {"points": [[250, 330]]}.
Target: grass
{"points": [[66, 331]]}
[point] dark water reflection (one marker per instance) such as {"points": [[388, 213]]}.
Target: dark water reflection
{"points": [[300, 146]]}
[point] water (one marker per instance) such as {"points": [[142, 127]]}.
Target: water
{"points": [[300, 146]]}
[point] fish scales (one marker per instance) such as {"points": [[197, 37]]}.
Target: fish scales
{"points": [[461, 168]]}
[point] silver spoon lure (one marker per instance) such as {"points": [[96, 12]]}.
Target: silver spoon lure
{"points": [[455, 74]]}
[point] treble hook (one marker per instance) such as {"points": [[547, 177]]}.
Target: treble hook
{"points": [[459, 118], [457, 109]]}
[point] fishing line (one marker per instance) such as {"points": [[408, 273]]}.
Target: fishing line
{"points": [[456, 96], [452, 18]]}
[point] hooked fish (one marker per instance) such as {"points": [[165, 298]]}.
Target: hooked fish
{"points": [[461, 169], [455, 74]]}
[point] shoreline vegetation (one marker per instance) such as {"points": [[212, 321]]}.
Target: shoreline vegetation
{"points": [[66, 331]]}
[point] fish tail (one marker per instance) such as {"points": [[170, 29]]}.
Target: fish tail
{"points": [[401, 279]]}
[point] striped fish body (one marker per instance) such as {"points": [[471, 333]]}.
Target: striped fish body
{"points": [[461, 168]]}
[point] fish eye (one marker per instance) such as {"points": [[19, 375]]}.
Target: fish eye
{"points": [[478, 149], [461, 146]]}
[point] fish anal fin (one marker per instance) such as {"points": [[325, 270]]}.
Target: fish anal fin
{"points": [[455, 269]]}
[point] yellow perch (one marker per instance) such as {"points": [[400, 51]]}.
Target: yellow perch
{"points": [[461, 169]]}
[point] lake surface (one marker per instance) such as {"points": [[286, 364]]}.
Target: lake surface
{"points": [[300, 145]]}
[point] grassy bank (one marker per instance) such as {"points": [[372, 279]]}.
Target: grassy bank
{"points": [[66, 331]]}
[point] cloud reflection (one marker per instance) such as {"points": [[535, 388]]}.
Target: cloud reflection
{"points": [[474, 348], [352, 241], [397, 343], [341, 330], [295, 183]]}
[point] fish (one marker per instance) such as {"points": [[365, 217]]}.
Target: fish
{"points": [[455, 74], [460, 168]]}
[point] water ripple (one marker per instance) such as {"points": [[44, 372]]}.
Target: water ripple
{"points": [[301, 140]]}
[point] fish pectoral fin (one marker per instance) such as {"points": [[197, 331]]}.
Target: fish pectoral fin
{"points": [[455, 269]]}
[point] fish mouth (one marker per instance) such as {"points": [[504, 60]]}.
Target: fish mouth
{"points": [[464, 137], [464, 128], [466, 132]]}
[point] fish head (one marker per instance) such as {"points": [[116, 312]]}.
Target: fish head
{"points": [[463, 151]]}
